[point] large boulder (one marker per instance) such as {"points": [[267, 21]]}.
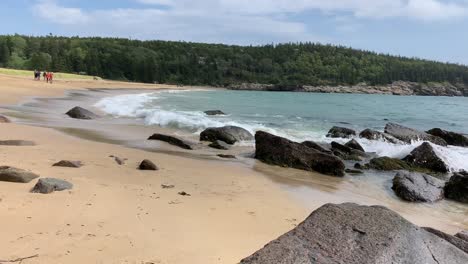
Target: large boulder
{"points": [[452, 138], [408, 135], [228, 134], [214, 112], [10, 174], [341, 132], [4, 119], [387, 164], [280, 151], [171, 140], [354, 145], [456, 241], [457, 187], [417, 187], [377, 135], [17, 143], [49, 185], [353, 234], [316, 146], [424, 156], [81, 113]]}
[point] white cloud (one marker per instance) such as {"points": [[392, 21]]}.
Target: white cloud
{"points": [[63, 15], [157, 2]]}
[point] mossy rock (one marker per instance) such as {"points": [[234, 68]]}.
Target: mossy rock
{"points": [[388, 164]]}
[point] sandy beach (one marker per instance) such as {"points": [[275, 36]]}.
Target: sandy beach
{"points": [[118, 214]]}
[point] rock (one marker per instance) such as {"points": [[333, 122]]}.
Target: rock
{"points": [[68, 164], [81, 113], [10, 174], [458, 242], [457, 187], [417, 187], [119, 161], [387, 164], [408, 135], [218, 144], [346, 152], [228, 134], [184, 194], [165, 186], [171, 140], [283, 152], [316, 146], [359, 166], [214, 112], [425, 157], [463, 235], [351, 171], [354, 145], [452, 138], [4, 119], [377, 135], [353, 234], [341, 132], [49, 185], [17, 143], [148, 165], [226, 156]]}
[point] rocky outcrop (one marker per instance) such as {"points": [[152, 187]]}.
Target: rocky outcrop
{"points": [[283, 152], [49, 185], [68, 164], [17, 143], [377, 135], [408, 135], [10, 174], [353, 234], [228, 134], [148, 165], [316, 146], [452, 138], [340, 132], [218, 144], [346, 152], [458, 242], [354, 145], [417, 187], [387, 164], [457, 187], [214, 112], [171, 140], [4, 119], [424, 156], [81, 113]]}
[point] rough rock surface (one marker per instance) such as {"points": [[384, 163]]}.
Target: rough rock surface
{"points": [[387, 164], [452, 138], [218, 144], [456, 241], [417, 187], [463, 235], [354, 145], [425, 157], [408, 135], [68, 164], [283, 152], [17, 143], [214, 112], [171, 140], [341, 132], [228, 134], [148, 165], [346, 152], [49, 185], [10, 174], [316, 146], [226, 156], [353, 234], [377, 135], [4, 119], [81, 113], [457, 187]]}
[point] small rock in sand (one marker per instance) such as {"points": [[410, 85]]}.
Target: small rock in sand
{"points": [[17, 143], [184, 194], [81, 113], [148, 165], [49, 185], [171, 140], [10, 174], [68, 164], [167, 186]]}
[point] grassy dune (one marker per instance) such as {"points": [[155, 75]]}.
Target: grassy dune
{"points": [[58, 75]]}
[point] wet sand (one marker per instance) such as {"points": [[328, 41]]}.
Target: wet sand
{"points": [[117, 214]]}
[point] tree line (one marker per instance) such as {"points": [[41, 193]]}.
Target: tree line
{"points": [[219, 65]]}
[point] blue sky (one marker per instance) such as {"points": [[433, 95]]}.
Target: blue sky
{"points": [[432, 29]]}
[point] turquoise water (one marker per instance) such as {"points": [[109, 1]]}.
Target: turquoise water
{"points": [[298, 116]]}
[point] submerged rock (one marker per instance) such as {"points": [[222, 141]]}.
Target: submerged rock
{"points": [[68, 164], [457, 187], [171, 140], [81, 113], [49, 185], [214, 112], [280, 151], [218, 144], [408, 135], [341, 132], [354, 145], [377, 135], [353, 234], [10, 174], [17, 143], [387, 164], [148, 165], [228, 134], [417, 187], [424, 156], [452, 138], [458, 242]]}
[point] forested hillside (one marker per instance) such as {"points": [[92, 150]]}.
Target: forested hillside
{"points": [[213, 64]]}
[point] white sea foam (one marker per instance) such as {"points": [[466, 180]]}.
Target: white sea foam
{"points": [[146, 107]]}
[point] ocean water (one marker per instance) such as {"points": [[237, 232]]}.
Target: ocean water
{"points": [[299, 116]]}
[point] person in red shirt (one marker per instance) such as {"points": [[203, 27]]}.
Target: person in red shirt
{"points": [[51, 77]]}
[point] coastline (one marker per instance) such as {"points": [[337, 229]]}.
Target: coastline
{"points": [[234, 209]]}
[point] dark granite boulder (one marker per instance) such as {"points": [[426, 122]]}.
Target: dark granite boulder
{"points": [[452, 138], [49, 185], [10, 174], [341, 132], [457, 187], [456, 241], [408, 135], [316, 146], [424, 156], [377, 135], [68, 164], [354, 145], [148, 165], [81, 113], [171, 140], [228, 134], [417, 187], [214, 112]]}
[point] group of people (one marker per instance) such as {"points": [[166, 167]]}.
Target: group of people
{"points": [[48, 76]]}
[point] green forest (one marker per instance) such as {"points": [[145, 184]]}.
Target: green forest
{"points": [[219, 65]]}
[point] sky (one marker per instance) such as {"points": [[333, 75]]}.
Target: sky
{"points": [[430, 29]]}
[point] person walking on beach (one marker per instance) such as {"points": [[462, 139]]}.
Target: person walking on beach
{"points": [[44, 75], [51, 77]]}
